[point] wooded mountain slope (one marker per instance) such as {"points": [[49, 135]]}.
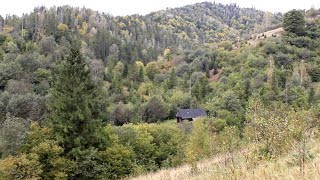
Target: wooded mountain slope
{"points": [[88, 81], [141, 37]]}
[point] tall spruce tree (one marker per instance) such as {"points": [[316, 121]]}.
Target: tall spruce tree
{"points": [[74, 112], [294, 22], [172, 79]]}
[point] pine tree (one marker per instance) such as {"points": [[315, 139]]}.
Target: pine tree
{"points": [[246, 93], [207, 71], [196, 90], [294, 22], [141, 75], [125, 70], [74, 111], [173, 79]]}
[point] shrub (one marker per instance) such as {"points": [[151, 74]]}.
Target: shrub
{"points": [[154, 145], [198, 146], [27, 106], [12, 135], [40, 158], [275, 130], [118, 161], [156, 110]]}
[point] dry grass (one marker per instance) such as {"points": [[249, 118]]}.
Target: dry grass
{"points": [[185, 171], [259, 37], [182, 172], [283, 168], [220, 167]]}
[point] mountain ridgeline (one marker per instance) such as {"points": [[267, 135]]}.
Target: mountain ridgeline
{"points": [[88, 95], [140, 37]]}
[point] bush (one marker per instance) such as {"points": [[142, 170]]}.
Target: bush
{"points": [[40, 158], [154, 145], [228, 140], [156, 110], [198, 146], [10, 70], [219, 124], [19, 87], [21, 167], [27, 106], [122, 114], [12, 135], [183, 68], [275, 130], [118, 162]]}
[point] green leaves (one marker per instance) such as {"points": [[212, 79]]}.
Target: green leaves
{"points": [[156, 110], [118, 162], [41, 157], [75, 114], [275, 129], [153, 145], [294, 22], [152, 70]]}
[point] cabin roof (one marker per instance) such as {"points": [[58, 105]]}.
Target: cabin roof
{"points": [[190, 113]]}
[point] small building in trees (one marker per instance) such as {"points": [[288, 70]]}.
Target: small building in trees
{"points": [[190, 114]]}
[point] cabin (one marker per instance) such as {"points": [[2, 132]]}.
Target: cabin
{"points": [[189, 114]]}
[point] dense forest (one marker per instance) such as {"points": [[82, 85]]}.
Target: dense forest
{"points": [[85, 95]]}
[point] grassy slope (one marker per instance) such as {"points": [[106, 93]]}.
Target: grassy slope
{"points": [[287, 167], [221, 167], [256, 40]]}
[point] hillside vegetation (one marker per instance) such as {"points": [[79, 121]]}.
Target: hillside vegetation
{"points": [[220, 167], [82, 93]]}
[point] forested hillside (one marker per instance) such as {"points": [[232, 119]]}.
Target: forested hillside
{"points": [[118, 50], [77, 85], [140, 37]]}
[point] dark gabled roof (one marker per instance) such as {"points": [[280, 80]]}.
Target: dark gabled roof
{"points": [[190, 113]]}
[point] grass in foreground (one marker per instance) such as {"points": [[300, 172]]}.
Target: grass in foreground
{"points": [[237, 166]]}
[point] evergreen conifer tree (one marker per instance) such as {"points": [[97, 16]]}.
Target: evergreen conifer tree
{"points": [[75, 114], [172, 79], [294, 22]]}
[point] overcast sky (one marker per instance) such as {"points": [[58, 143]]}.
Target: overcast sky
{"points": [[127, 7]]}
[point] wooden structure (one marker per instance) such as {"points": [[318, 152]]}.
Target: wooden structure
{"points": [[189, 114]]}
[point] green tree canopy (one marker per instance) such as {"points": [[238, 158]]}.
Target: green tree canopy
{"points": [[294, 22], [74, 112]]}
